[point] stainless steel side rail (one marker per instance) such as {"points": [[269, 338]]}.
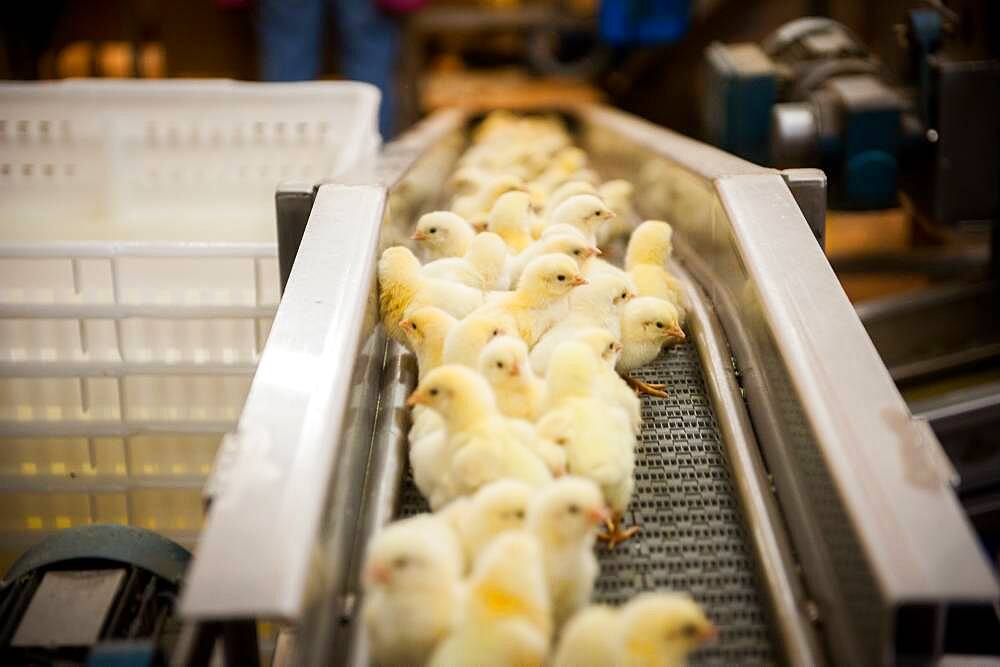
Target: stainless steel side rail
{"points": [[865, 488], [308, 418]]}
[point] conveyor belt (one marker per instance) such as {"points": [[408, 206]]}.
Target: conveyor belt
{"points": [[692, 536]]}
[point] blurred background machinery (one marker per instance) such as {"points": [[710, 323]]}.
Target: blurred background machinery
{"points": [[813, 94], [100, 595]]}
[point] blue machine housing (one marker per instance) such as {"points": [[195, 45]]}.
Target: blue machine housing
{"points": [[643, 22]]}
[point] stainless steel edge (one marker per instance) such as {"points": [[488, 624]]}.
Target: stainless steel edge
{"points": [[875, 521], [864, 487], [385, 473], [269, 509], [879, 456], [777, 567], [694, 156], [313, 376]]}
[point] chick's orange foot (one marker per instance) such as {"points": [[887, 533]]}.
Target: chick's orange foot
{"points": [[647, 388], [615, 534]]}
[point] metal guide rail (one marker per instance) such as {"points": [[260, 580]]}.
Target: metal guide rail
{"points": [[861, 534]]}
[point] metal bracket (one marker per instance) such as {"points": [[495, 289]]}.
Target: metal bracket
{"points": [[293, 201], [808, 187]]}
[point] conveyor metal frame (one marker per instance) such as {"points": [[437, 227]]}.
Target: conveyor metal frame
{"points": [[864, 488]]}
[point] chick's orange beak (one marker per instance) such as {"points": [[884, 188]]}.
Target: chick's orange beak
{"points": [[595, 252], [676, 332], [419, 236], [598, 515], [515, 370], [578, 280], [416, 398], [617, 347], [404, 323], [708, 633]]}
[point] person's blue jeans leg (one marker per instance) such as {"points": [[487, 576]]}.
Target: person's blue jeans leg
{"points": [[290, 34], [369, 48]]}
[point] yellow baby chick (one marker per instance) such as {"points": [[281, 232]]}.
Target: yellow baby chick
{"points": [[466, 340], [402, 288], [412, 589], [511, 219], [585, 213], [598, 304], [426, 329], [562, 166], [483, 266], [430, 457], [609, 386], [564, 517], [519, 392], [565, 191], [597, 436], [651, 630], [540, 298], [480, 202], [506, 619], [498, 507], [617, 194], [553, 455], [572, 244], [443, 234], [481, 446], [468, 179], [648, 324], [646, 258]]}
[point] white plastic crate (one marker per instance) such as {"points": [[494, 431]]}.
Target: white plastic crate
{"points": [[138, 281]]}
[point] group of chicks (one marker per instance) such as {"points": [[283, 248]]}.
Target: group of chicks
{"points": [[524, 418]]}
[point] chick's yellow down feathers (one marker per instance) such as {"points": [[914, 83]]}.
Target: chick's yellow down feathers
{"points": [[426, 329], [564, 517], [497, 508], [649, 250], [481, 444], [540, 298], [412, 589], [506, 618], [482, 267], [443, 234], [402, 288], [652, 630], [519, 392], [511, 219]]}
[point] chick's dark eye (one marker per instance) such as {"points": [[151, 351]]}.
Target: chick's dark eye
{"points": [[574, 509], [659, 325], [689, 630], [401, 562], [519, 514], [433, 230], [560, 278], [499, 364], [433, 392], [576, 252]]}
